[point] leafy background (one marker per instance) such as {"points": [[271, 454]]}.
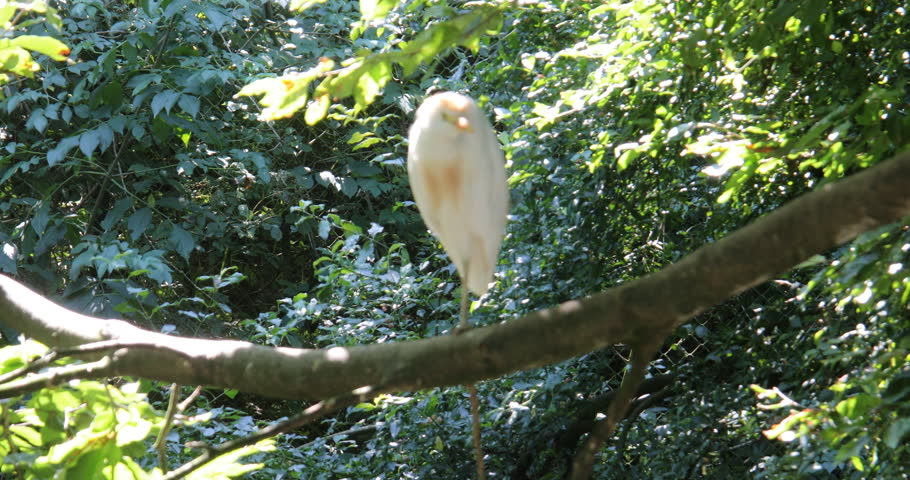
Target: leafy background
{"points": [[135, 182]]}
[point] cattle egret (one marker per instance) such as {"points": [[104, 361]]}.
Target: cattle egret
{"points": [[458, 176]]}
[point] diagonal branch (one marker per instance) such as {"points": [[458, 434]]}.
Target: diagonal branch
{"points": [[639, 312], [313, 412]]}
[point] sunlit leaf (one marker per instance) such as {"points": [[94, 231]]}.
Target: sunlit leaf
{"points": [[49, 46]]}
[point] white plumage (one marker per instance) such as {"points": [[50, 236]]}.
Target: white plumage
{"points": [[457, 173]]}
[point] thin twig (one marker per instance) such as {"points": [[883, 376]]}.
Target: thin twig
{"points": [[314, 412], [603, 429], [161, 441], [463, 326], [54, 377]]}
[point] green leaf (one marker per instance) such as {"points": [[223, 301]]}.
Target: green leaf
{"points": [[40, 220], [90, 461], [37, 120], [181, 241], [105, 136], [49, 46], [116, 213], [857, 405], [88, 142], [140, 82], [373, 9], [371, 82], [81, 260], [17, 60], [317, 109], [164, 100], [301, 5], [135, 430], [324, 227], [898, 388], [189, 104], [228, 465], [6, 13], [138, 222], [896, 432], [112, 94], [366, 144]]}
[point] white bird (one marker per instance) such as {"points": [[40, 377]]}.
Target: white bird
{"points": [[458, 176]]}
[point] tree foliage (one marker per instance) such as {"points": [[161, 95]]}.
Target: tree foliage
{"points": [[137, 180]]}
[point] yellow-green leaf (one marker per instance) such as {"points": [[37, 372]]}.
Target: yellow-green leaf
{"points": [[372, 9], [300, 5], [47, 45], [317, 109]]}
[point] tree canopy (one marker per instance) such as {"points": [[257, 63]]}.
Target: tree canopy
{"points": [[710, 179]]}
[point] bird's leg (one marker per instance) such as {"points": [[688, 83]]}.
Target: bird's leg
{"points": [[475, 430], [464, 326]]}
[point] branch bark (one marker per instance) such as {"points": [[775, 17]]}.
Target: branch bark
{"points": [[639, 312]]}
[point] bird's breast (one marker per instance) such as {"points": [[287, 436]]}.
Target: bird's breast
{"points": [[446, 184]]}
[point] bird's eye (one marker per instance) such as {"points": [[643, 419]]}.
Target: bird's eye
{"points": [[458, 121]]}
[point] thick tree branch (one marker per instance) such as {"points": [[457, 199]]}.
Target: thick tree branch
{"points": [[643, 311]]}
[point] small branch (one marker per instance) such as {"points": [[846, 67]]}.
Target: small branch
{"points": [[55, 377], [645, 403], [603, 430], [189, 400], [314, 412], [161, 441], [351, 432]]}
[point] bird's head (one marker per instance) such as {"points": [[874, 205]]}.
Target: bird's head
{"points": [[443, 111]]}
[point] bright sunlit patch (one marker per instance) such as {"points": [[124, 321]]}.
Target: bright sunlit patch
{"points": [[337, 354], [864, 297], [733, 157], [788, 436]]}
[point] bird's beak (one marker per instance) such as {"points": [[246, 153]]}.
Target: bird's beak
{"points": [[459, 121]]}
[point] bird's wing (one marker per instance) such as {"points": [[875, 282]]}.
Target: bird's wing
{"points": [[488, 198], [417, 175]]}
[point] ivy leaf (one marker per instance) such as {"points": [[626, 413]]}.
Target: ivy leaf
{"points": [[41, 218], [181, 241], [88, 142], [896, 432], [164, 100], [58, 153], [141, 82], [105, 136], [139, 221], [116, 213], [83, 259], [189, 104], [324, 227], [112, 94], [37, 120]]}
